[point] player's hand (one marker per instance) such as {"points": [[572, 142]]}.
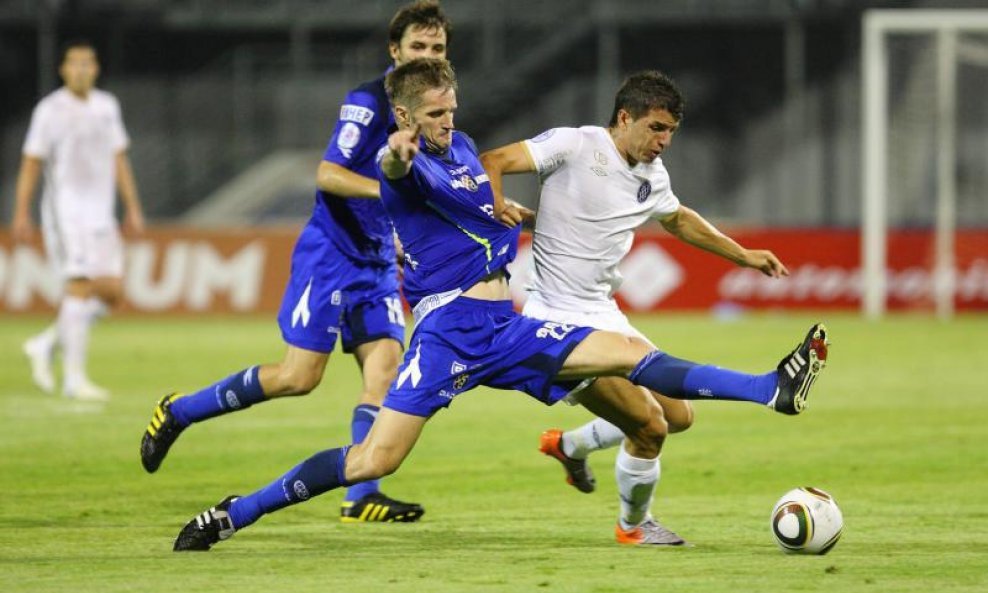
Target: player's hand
{"points": [[766, 262], [22, 229], [134, 223], [514, 214], [404, 144]]}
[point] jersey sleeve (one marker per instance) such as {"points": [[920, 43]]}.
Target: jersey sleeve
{"points": [[39, 139], [118, 133], [550, 149], [411, 185], [352, 137], [668, 203]]}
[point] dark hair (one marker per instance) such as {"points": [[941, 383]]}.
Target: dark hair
{"points": [[406, 83], [424, 13], [644, 91], [76, 44]]}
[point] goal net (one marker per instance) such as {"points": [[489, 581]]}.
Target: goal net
{"points": [[924, 141]]}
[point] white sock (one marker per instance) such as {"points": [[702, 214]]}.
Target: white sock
{"points": [[97, 308], [593, 436], [48, 337], [74, 319], [636, 480]]}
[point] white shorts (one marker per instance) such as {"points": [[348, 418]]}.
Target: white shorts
{"points": [[84, 252], [613, 320]]}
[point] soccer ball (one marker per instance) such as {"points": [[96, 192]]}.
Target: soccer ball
{"points": [[806, 521]]}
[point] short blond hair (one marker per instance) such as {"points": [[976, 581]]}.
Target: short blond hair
{"points": [[407, 83]]}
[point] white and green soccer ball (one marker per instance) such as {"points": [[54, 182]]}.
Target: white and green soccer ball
{"points": [[806, 521]]}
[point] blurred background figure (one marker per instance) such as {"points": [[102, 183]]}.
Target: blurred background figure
{"points": [[231, 93], [77, 138]]}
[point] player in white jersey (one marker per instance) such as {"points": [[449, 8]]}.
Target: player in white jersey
{"points": [[77, 138], [599, 185]]}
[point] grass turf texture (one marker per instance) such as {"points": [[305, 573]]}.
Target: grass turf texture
{"points": [[895, 431]]}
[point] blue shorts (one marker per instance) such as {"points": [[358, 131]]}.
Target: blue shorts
{"points": [[328, 295], [470, 342]]}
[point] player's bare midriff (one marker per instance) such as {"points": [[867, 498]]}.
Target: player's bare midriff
{"points": [[491, 288]]}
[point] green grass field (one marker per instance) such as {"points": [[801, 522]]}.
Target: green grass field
{"points": [[896, 431]]}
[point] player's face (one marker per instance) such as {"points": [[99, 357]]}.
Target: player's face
{"points": [[435, 116], [419, 42], [644, 139], [79, 69]]}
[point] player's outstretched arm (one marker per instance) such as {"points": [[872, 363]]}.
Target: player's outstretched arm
{"points": [[510, 159], [403, 145], [21, 227], [687, 225], [340, 181]]}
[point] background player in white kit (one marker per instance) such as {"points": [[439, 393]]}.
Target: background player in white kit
{"points": [[78, 138], [598, 185]]}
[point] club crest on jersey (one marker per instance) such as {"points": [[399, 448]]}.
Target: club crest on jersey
{"points": [[644, 191], [348, 138], [466, 182]]}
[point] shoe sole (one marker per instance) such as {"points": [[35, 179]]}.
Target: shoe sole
{"points": [[814, 368], [625, 538]]}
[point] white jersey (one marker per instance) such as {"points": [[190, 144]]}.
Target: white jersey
{"points": [[78, 140], [590, 205]]}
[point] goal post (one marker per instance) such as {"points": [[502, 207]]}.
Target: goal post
{"points": [[944, 51]]}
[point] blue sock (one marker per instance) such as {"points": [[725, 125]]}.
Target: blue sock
{"points": [[363, 419], [320, 473], [682, 379], [239, 391]]}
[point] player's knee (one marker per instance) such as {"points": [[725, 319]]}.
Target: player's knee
{"points": [[636, 349], [681, 419], [648, 437], [111, 298], [295, 381]]}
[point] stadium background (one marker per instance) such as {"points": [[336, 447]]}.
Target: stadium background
{"points": [[229, 105]]}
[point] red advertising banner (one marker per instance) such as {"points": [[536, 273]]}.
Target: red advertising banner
{"points": [[168, 270], [663, 273], [185, 270]]}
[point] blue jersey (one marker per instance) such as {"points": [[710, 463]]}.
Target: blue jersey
{"points": [[358, 228], [443, 211], [344, 280]]}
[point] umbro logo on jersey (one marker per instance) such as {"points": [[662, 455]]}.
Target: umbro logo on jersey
{"points": [[599, 171], [794, 364], [644, 191]]}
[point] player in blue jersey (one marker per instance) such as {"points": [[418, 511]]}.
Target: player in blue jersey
{"points": [[344, 282], [458, 240]]}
